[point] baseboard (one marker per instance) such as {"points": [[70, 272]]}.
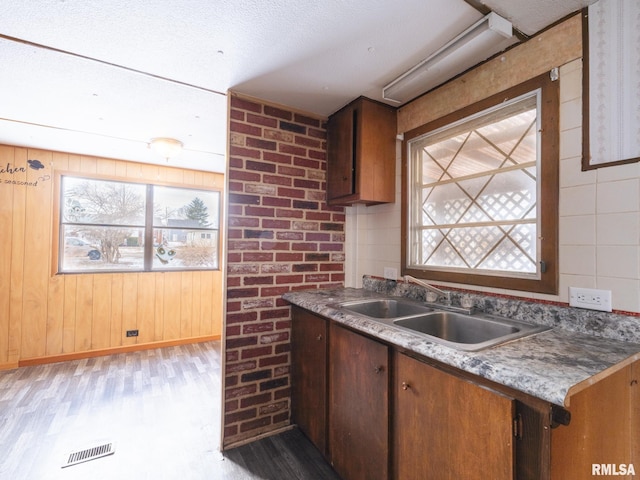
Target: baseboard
{"points": [[8, 366], [64, 357], [270, 433]]}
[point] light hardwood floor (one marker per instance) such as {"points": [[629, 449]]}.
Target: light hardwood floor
{"points": [[161, 408]]}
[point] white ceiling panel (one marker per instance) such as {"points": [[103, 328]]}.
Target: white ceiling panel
{"points": [[103, 77]]}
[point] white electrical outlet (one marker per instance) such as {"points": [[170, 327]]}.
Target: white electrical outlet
{"points": [[590, 298], [390, 273]]}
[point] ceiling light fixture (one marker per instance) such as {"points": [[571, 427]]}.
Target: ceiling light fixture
{"points": [[166, 147], [486, 37]]}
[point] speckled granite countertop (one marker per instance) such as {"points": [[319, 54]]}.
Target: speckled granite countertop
{"points": [[546, 365]]}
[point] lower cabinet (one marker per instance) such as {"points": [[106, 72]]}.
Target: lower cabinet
{"points": [[448, 428], [377, 413], [309, 349], [358, 405]]}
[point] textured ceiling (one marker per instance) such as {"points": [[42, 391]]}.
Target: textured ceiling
{"points": [[103, 77]]}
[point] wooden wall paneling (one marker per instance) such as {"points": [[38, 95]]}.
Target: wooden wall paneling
{"points": [[101, 315], [134, 171], [37, 253], [88, 164], [189, 177], [74, 163], [106, 166], [121, 169], [17, 281], [69, 313], [206, 307], [117, 299], [55, 315], [217, 305], [6, 234], [84, 312], [146, 307], [172, 308], [46, 314], [158, 325], [129, 307], [186, 306], [196, 306]]}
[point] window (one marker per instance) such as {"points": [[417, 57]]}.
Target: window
{"points": [[111, 226], [482, 192]]}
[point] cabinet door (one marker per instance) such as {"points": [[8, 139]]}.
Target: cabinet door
{"points": [[309, 376], [447, 428], [358, 406], [341, 154]]}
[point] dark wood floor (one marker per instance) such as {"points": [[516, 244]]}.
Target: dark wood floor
{"points": [[161, 410]]}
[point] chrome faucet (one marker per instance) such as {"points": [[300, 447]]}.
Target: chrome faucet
{"points": [[446, 295]]}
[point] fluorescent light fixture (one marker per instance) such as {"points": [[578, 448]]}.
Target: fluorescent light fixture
{"points": [[486, 37], [166, 147]]}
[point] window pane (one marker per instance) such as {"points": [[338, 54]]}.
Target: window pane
{"points": [[181, 207], [184, 248], [475, 192], [102, 202], [88, 248]]}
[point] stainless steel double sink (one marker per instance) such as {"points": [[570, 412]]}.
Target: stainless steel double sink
{"points": [[440, 324]]}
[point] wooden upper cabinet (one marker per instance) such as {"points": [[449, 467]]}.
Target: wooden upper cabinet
{"points": [[446, 428], [361, 144]]}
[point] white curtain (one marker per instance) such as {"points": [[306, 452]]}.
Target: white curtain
{"points": [[614, 80]]}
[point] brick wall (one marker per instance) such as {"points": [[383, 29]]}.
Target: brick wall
{"points": [[281, 236]]}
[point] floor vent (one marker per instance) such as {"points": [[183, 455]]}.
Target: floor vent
{"points": [[89, 454]]}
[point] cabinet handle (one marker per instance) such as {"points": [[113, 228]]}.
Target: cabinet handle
{"points": [[378, 369], [405, 386], [319, 337]]}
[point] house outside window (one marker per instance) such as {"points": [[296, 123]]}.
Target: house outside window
{"points": [[114, 226], [482, 192]]}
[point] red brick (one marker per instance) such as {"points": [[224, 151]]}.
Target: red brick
{"points": [[313, 122], [307, 163], [241, 367], [255, 424], [274, 338], [260, 120], [256, 400], [293, 149], [289, 257], [256, 352], [243, 104], [281, 313], [240, 391], [277, 157], [278, 112], [280, 279], [258, 328], [244, 128], [276, 202], [272, 292], [277, 180], [239, 416], [291, 192], [244, 152], [244, 176], [281, 212], [259, 211], [271, 361], [257, 257], [280, 224]]}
